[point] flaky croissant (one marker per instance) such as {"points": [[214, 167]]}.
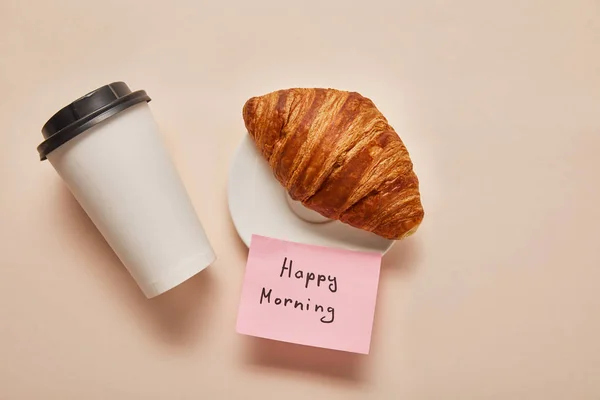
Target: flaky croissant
{"points": [[336, 153]]}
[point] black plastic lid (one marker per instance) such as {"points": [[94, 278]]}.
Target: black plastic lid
{"points": [[87, 111]]}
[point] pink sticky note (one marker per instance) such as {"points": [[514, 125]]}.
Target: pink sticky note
{"points": [[309, 295]]}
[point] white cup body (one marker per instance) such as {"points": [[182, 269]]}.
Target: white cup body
{"points": [[121, 174]]}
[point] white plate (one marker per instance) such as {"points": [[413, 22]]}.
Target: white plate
{"points": [[259, 205]]}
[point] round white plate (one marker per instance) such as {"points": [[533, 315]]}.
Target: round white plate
{"points": [[259, 205]]}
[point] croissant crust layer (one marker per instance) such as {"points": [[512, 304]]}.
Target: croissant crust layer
{"points": [[336, 153]]}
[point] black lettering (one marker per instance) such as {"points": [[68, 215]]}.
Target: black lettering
{"points": [[286, 301], [299, 274], [309, 277], [320, 278], [277, 300], [317, 308], [284, 268], [333, 284], [299, 304], [332, 312], [265, 295]]}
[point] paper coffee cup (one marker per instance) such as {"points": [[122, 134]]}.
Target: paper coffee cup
{"points": [[108, 149]]}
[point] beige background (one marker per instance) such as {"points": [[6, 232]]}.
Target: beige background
{"points": [[496, 297]]}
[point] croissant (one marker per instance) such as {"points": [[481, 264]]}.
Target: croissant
{"points": [[335, 152]]}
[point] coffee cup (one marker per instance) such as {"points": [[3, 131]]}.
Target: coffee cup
{"points": [[107, 148]]}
